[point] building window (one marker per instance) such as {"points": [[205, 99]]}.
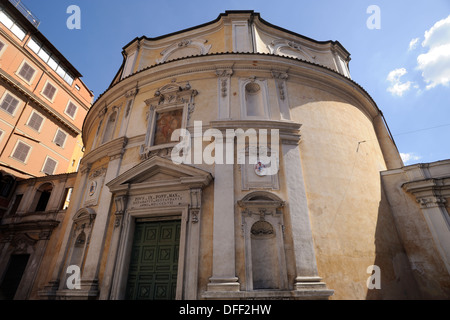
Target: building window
{"points": [[21, 151], [11, 25], [16, 204], [50, 60], [34, 45], [49, 91], [35, 121], [6, 185], [42, 197], [60, 138], [110, 126], [26, 72], [71, 109], [2, 47], [66, 199], [9, 104], [49, 166]]}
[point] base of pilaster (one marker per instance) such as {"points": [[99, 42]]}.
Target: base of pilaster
{"points": [[223, 284], [303, 294], [88, 291]]}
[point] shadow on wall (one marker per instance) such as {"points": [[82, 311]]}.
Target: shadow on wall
{"points": [[397, 281]]}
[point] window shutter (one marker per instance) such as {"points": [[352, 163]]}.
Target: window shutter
{"points": [[49, 167], [35, 121], [21, 151], [49, 91], [71, 109], [26, 72], [9, 104], [60, 138]]}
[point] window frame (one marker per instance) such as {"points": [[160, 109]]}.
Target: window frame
{"points": [[2, 50], [65, 139], [76, 110], [29, 118], [3, 99], [45, 163], [15, 148], [45, 86], [20, 69], [105, 138]]}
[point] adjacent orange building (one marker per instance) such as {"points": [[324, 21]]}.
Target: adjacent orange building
{"points": [[43, 103]]}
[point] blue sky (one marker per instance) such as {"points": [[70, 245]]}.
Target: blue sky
{"points": [[404, 65]]}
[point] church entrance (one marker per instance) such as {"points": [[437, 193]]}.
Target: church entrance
{"points": [[154, 261]]}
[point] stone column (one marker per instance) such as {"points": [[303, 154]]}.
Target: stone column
{"points": [[224, 265], [305, 260]]}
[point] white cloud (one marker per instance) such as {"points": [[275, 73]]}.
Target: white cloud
{"points": [[435, 64], [413, 44], [409, 157], [398, 87]]}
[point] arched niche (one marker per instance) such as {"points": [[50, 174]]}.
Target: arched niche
{"points": [[254, 98], [83, 223], [263, 232]]}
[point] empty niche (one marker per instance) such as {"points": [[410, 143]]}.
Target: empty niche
{"points": [[264, 256], [262, 226], [254, 100]]}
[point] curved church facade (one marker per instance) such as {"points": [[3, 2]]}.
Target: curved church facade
{"points": [[170, 204]]}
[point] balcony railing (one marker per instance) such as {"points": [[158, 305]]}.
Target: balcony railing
{"points": [[27, 13]]}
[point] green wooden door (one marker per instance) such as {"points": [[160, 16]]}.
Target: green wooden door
{"points": [[154, 261]]}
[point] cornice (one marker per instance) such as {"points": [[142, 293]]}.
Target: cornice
{"points": [[301, 69], [43, 68], [110, 149], [49, 110]]}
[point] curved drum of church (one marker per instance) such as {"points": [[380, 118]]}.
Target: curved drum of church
{"points": [[317, 219]]}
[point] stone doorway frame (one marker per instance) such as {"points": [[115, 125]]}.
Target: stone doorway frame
{"points": [[145, 180]]}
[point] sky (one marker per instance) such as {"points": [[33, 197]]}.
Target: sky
{"points": [[400, 50]]}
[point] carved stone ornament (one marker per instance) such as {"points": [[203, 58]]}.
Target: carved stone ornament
{"points": [[21, 242], [172, 93], [289, 48], [432, 202], [185, 47], [262, 228], [147, 153]]}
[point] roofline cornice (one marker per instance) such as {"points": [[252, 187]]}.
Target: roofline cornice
{"points": [[315, 74]]}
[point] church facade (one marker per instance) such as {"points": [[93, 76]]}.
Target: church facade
{"points": [[327, 218]]}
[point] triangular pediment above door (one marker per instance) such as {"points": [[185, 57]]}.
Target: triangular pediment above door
{"points": [[160, 174]]}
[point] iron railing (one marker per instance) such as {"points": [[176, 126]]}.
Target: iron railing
{"points": [[26, 12]]}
